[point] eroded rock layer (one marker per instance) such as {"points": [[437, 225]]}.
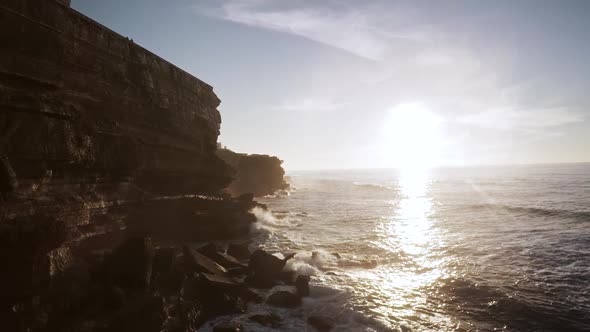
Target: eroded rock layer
{"points": [[256, 174], [99, 137], [89, 119]]}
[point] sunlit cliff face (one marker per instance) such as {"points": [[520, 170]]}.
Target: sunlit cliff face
{"points": [[412, 136]]}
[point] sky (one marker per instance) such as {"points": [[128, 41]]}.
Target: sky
{"points": [[374, 84]]}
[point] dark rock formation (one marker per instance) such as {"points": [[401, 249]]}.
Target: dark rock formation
{"points": [[254, 173], [229, 326], [107, 151], [8, 181], [196, 262], [266, 268], [130, 265], [146, 313], [302, 285], [321, 323], [225, 260], [284, 299], [238, 250], [267, 319], [94, 126]]}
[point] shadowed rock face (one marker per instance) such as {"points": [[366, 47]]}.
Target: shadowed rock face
{"points": [[81, 104], [254, 173], [100, 138], [91, 122]]}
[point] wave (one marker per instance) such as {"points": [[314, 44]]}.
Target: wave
{"points": [[563, 213], [371, 186], [487, 303], [310, 263]]}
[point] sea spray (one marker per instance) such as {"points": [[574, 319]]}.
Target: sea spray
{"points": [[310, 263]]}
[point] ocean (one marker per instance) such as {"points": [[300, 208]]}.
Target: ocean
{"points": [[503, 248]]}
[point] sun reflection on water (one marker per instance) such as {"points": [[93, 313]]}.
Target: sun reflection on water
{"points": [[410, 233]]}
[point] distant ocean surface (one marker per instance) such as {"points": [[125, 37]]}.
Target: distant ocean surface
{"points": [[455, 249]]}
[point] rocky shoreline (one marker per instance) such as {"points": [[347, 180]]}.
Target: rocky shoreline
{"points": [[144, 286], [111, 187], [150, 283]]}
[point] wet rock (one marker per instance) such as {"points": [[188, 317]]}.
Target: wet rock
{"points": [[130, 264], [239, 251], [321, 323], [219, 295], [218, 281], [229, 326], [238, 271], [267, 319], [284, 299], [302, 285], [197, 262], [266, 268], [224, 304], [216, 254]]}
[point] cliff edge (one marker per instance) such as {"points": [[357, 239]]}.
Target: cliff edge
{"points": [[256, 174], [100, 141]]}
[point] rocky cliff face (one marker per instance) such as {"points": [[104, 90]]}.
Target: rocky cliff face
{"points": [[89, 119], [99, 137], [254, 173]]}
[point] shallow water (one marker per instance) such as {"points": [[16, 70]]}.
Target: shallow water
{"points": [[471, 249]]}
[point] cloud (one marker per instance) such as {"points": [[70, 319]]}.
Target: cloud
{"points": [[508, 118], [355, 30], [310, 105], [451, 60]]}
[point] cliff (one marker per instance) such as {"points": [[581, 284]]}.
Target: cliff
{"points": [[101, 138], [254, 173]]}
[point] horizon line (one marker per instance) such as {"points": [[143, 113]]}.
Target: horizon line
{"points": [[436, 167]]}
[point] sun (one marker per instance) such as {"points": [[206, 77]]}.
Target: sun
{"points": [[412, 136]]}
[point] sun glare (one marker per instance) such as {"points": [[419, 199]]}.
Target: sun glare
{"points": [[412, 136]]}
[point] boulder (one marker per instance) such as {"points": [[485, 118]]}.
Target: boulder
{"points": [[228, 326], [266, 268], [219, 295], [302, 285], [225, 260], [197, 262], [267, 319], [284, 299], [239, 251], [321, 323]]}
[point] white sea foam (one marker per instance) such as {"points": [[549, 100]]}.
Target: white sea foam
{"points": [[310, 263]]}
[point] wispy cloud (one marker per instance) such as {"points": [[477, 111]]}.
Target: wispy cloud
{"points": [[452, 57], [508, 118], [330, 23], [310, 105]]}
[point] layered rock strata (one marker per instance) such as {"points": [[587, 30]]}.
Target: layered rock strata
{"points": [[99, 139], [256, 174]]}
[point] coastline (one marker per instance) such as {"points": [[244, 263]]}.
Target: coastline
{"points": [[109, 179]]}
